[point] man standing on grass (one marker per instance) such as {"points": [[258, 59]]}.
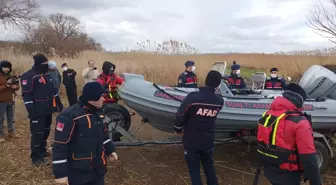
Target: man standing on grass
{"points": [[55, 75], [91, 73], [196, 117], [69, 81], [41, 100], [6, 99], [81, 144]]}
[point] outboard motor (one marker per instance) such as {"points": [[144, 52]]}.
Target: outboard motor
{"points": [[319, 83]]}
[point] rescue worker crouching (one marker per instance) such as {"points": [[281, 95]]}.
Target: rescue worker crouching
{"points": [[234, 80], [109, 80], [41, 100], [188, 78], [81, 142], [285, 141], [274, 82], [196, 117]]}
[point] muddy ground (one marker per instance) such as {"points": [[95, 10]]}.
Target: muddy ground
{"points": [[148, 165]]}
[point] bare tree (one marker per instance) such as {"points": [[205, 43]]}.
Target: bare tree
{"points": [[18, 12], [58, 34], [322, 19], [64, 26]]}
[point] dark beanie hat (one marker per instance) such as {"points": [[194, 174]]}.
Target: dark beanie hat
{"points": [[189, 63], [92, 91], [297, 89], [39, 59], [274, 69], [296, 94], [213, 79], [64, 64]]}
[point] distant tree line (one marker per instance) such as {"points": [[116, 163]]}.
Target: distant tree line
{"points": [[55, 34]]}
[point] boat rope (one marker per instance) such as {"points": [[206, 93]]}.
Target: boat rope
{"points": [[163, 91]]}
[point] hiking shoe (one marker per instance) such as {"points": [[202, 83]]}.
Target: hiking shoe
{"points": [[41, 162], [46, 154], [13, 135], [2, 139]]}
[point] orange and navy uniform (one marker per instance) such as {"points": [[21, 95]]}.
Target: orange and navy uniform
{"points": [[286, 144], [187, 79], [275, 83], [234, 81], [81, 144], [39, 95], [110, 83]]}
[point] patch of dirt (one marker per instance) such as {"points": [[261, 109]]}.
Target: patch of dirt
{"points": [[148, 165]]}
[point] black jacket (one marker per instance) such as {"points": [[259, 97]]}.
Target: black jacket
{"points": [[69, 78], [39, 94], [81, 143], [197, 114], [187, 79]]}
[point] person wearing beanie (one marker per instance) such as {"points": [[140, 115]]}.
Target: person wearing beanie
{"points": [[274, 82], [234, 80], [195, 120], [81, 142], [7, 90], [294, 135], [41, 100], [55, 75], [110, 81], [69, 82], [188, 78]]}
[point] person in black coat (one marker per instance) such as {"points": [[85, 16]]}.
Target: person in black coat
{"points": [[81, 143], [69, 81], [195, 119]]}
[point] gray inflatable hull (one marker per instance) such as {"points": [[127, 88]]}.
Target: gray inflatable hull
{"points": [[239, 112]]}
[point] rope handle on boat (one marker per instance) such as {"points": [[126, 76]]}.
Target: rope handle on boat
{"points": [[163, 91]]}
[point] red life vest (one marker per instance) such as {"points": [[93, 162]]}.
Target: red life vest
{"points": [[277, 84], [111, 83], [191, 80], [272, 149], [236, 82]]}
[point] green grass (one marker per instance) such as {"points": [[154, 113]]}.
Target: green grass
{"points": [[247, 72]]}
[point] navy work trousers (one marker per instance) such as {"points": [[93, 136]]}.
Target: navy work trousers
{"points": [[193, 159]]}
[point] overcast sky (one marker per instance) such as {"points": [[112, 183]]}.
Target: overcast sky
{"points": [[208, 25]]}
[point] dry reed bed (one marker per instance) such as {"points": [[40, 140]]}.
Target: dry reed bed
{"points": [[15, 168], [165, 69]]}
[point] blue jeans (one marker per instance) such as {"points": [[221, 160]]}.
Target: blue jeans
{"points": [[193, 159], [6, 110]]}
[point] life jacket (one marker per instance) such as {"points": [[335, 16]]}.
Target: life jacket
{"points": [[110, 82], [234, 82], [271, 85], [271, 148], [190, 80]]}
